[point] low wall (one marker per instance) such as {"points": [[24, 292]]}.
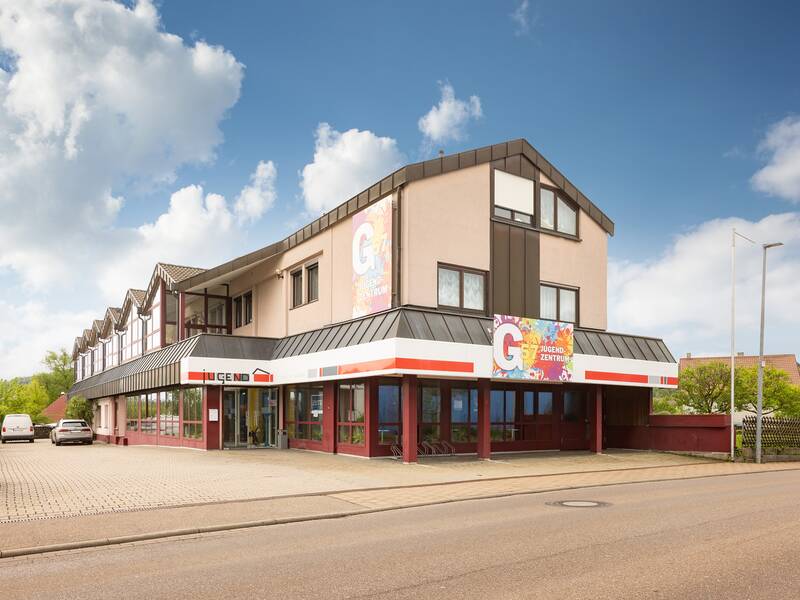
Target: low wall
{"points": [[686, 433]]}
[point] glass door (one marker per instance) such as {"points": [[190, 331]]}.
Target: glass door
{"points": [[234, 418], [267, 411]]}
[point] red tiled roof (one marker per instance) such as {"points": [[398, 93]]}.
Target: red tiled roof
{"points": [[56, 409], [782, 362]]}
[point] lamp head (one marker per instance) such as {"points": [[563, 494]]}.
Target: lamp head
{"points": [[772, 245]]}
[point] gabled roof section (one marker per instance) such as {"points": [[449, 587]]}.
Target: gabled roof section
{"points": [[171, 275], [517, 157], [133, 297], [110, 321]]}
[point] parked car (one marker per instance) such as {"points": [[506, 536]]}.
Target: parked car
{"points": [[17, 428], [74, 431]]}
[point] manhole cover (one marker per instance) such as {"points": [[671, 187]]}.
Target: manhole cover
{"points": [[579, 503]]}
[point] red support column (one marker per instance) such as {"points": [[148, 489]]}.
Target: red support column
{"points": [[596, 420], [409, 402], [328, 416], [484, 419], [213, 397]]}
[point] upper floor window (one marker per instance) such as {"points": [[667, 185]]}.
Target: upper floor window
{"points": [[297, 288], [312, 282], [558, 304], [556, 213], [513, 197], [462, 288], [243, 309]]}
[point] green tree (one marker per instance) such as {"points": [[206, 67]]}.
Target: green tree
{"points": [[705, 388], [781, 398], [666, 402], [79, 407], [59, 376], [28, 398]]}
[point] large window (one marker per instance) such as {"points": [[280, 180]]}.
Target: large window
{"points": [[304, 412], [462, 288], [513, 197], [132, 413], [297, 288], [389, 418], [558, 304], [351, 413], [463, 415], [243, 310], [503, 413], [193, 413], [312, 282], [148, 413], [169, 415], [430, 414], [557, 213]]}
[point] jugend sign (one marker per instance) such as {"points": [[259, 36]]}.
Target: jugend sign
{"points": [[532, 349], [225, 371]]}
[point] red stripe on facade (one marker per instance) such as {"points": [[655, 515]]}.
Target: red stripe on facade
{"points": [[199, 376], [672, 380], [416, 364], [262, 377], [626, 377], [421, 364]]}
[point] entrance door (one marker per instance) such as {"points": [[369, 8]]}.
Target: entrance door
{"points": [[574, 421], [249, 417], [234, 418]]}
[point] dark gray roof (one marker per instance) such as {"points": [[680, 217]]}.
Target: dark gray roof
{"points": [[161, 368], [425, 324]]}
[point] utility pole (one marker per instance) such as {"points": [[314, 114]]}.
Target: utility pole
{"points": [[760, 404], [734, 233]]}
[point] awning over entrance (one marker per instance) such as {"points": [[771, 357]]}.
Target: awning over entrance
{"points": [[161, 368]]}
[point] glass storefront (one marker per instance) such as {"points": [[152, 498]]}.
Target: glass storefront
{"points": [[249, 417]]}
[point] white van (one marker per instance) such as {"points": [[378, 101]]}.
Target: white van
{"points": [[17, 427]]}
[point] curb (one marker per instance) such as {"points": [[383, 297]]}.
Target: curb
{"points": [[127, 539]]}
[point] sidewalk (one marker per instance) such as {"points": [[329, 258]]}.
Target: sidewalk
{"points": [[165, 522]]}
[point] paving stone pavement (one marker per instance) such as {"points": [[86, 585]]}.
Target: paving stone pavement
{"points": [[41, 481]]}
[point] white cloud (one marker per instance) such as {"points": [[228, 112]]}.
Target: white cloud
{"points": [[448, 120], [684, 294], [99, 98], [781, 176], [521, 18], [344, 165], [29, 329], [258, 197]]}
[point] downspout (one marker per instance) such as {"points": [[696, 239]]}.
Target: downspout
{"points": [[397, 248]]}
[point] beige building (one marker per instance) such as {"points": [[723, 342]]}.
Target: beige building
{"points": [[407, 279]]}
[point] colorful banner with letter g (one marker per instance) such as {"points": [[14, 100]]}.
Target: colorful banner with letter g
{"points": [[532, 349]]}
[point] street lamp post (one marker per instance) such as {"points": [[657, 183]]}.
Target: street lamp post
{"points": [[734, 233], [760, 404]]}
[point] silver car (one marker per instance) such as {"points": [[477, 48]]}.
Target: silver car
{"points": [[74, 431]]}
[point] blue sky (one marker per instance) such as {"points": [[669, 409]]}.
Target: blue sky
{"points": [[653, 109], [116, 134]]}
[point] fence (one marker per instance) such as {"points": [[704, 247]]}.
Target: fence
{"points": [[776, 432]]}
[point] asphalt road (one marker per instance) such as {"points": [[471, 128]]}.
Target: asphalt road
{"points": [[720, 537]]}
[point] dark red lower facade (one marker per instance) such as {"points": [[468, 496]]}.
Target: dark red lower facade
{"points": [[407, 416]]}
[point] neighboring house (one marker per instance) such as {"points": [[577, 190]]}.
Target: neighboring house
{"points": [[389, 321], [56, 410], [782, 362]]}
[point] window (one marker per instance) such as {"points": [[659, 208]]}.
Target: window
{"points": [[463, 415], [574, 406], [297, 288], [462, 288], [557, 213], [312, 282], [513, 197], [502, 412], [132, 413], [193, 413], [558, 304], [430, 414], [304, 412], [389, 419], [148, 413], [351, 413], [168, 418], [243, 310]]}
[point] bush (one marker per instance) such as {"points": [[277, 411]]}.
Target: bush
{"points": [[78, 407]]}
